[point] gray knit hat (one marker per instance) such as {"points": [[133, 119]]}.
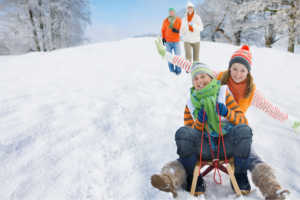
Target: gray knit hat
{"points": [[199, 68]]}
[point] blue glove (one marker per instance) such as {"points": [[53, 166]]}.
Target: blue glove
{"points": [[191, 23], [223, 110], [200, 116]]}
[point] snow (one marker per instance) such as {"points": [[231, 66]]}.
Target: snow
{"points": [[95, 122]]}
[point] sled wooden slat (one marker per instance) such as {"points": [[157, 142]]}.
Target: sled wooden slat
{"points": [[228, 170], [195, 178], [233, 181]]}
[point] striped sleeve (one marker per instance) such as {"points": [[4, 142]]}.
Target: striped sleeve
{"points": [[186, 65], [263, 104], [215, 73], [189, 121], [235, 115], [182, 63]]}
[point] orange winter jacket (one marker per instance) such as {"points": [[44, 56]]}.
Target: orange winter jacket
{"points": [[244, 103], [167, 33]]}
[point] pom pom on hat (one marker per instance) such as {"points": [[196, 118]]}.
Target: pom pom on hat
{"points": [[245, 47], [189, 4]]}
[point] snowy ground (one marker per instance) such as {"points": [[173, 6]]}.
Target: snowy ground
{"points": [[95, 122]]}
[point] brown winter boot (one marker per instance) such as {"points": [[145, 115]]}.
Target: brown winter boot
{"points": [[263, 176], [171, 178]]}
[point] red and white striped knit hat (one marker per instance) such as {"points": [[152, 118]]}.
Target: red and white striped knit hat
{"points": [[243, 56]]}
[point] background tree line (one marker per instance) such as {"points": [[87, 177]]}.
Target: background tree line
{"points": [[42, 25], [252, 22]]}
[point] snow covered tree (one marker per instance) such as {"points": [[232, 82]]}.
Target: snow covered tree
{"points": [[284, 18], [262, 22], [44, 25], [220, 18], [213, 14], [68, 20], [17, 26]]}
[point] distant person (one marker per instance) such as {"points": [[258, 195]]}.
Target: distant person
{"points": [[190, 29], [171, 37]]}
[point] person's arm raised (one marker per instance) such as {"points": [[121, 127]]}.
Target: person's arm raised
{"points": [[177, 60], [273, 111]]}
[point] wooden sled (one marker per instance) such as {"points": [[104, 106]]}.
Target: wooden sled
{"points": [[228, 170]]}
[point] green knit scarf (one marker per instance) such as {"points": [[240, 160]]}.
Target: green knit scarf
{"points": [[207, 98], [172, 19]]}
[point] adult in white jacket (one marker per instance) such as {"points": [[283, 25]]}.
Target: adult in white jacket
{"points": [[191, 26]]}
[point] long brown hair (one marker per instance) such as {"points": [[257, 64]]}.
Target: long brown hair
{"points": [[226, 75]]}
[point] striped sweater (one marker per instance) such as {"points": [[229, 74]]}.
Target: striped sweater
{"points": [[234, 116], [258, 99]]}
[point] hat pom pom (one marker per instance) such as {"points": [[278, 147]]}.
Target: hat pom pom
{"points": [[245, 47]]}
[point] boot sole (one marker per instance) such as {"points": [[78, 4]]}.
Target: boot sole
{"points": [[244, 191], [199, 193], [280, 196], [161, 185]]}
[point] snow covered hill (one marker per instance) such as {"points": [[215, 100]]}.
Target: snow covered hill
{"points": [[95, 122]]}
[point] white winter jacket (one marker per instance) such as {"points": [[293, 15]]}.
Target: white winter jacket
{"points": [[188, 36]]}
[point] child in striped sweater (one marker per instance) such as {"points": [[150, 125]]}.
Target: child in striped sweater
{"points": [[240, 83], [207, 100]]}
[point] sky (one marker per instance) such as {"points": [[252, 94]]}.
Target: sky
{"points": [[118, 19]]}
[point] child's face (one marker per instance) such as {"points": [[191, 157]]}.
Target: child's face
{"points": [[238, 72], [201, 80]]}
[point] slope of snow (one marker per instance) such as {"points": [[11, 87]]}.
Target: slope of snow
{"points": [[95, 122]]}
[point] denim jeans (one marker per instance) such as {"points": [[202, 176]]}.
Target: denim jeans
{"points": [[237, 142], [254, 160], [176, 47]]}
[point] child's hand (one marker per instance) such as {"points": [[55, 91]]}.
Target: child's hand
{"points": [[160, 47], [200, 116], [223, 110], [292, 123], [296, 127]]}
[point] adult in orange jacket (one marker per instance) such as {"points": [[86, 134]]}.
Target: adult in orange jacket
{"points": [[171, 37]]}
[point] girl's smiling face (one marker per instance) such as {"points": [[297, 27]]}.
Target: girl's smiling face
{"points": [[201, 80], [238, 72]]}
